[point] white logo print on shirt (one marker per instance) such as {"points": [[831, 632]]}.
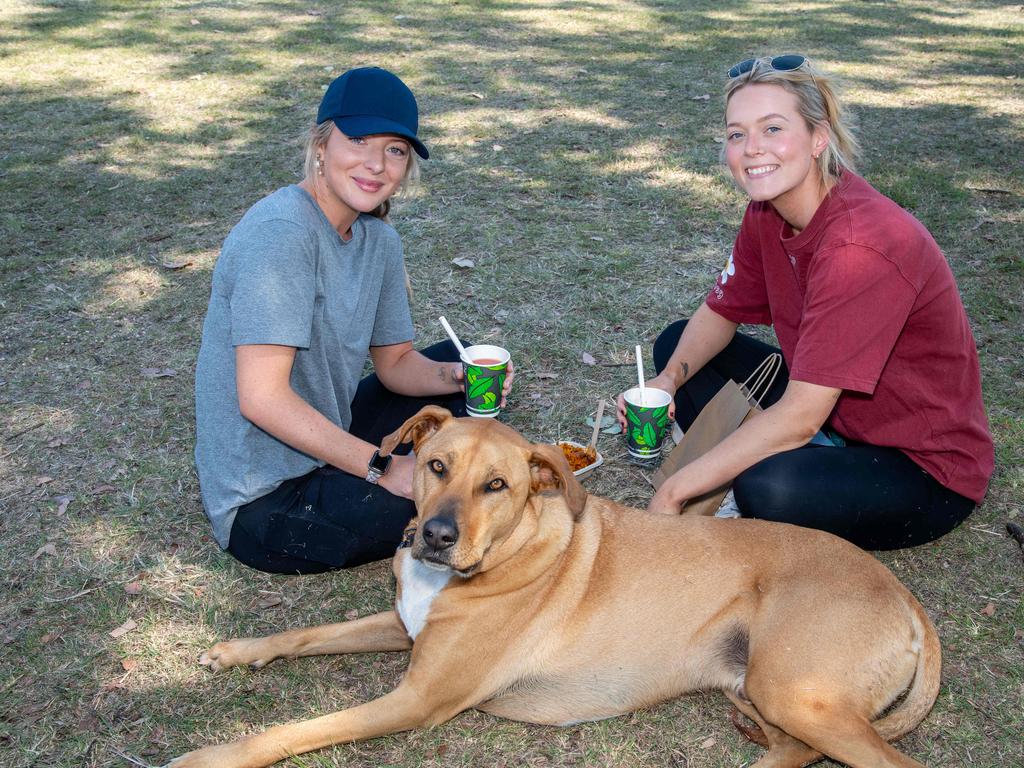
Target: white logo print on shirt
{"points": [[729, 271]]}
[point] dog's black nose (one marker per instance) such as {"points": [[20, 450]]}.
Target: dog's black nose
{"points": [[440, 533]]}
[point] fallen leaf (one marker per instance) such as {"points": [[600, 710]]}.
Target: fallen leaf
{"points": [[57, 442], [988, 610], [194, 22], [46, 549], [547, 375], [1018, 634], [62, 503], [158, 373], [718, 139], [133, 588], [268, 601], [588, 359], [42, 480], [98, 489], [129, 665], [476, 95], [315, 13], [199, 591], [597, 239], [662, 125], [49, 637], [87, 721], [497, 147], [124, 629], [181, 263], [708, 743], [702, 97], [351, 614], [463, 261]]}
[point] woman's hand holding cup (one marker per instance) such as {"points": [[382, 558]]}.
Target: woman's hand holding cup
{"points": [[663, 382]]}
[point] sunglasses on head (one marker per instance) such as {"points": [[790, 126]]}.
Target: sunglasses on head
{"points": [[785, 63]]}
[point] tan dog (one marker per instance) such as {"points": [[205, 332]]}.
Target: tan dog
{"points": [[523, 597]]}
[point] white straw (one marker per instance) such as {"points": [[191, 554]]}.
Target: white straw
{"points": [[640, 376], [455, 340]]}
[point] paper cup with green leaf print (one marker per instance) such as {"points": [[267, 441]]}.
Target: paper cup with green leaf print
{"points": [[646, 422], [484, 374]]}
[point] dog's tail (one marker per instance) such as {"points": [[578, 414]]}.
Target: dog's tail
{"points": [[923, 691]]}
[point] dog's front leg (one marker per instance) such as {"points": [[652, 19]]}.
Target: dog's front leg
{"points": [[380, 632], [405, 707]]}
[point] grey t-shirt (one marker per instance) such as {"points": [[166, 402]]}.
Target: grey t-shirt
{"points": [[286, 277]]}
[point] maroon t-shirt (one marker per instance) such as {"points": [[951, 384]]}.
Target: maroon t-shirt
{"points": [[863, 300]]}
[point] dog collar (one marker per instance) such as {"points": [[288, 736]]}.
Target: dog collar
{"points": [[407, 536]]}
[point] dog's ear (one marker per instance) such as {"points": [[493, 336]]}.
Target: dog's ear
{"points": [[549, 469], [417, 428]]}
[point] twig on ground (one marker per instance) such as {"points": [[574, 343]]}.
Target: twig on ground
{"points": [[992, 190], [11, 452], [129, 758], [37, 425], [72, 597]]}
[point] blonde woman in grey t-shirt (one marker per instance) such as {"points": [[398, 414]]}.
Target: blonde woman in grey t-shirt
{"points": [[309, 283]]}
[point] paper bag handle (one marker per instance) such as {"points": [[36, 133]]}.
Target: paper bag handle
{"points": [[763, 377]]}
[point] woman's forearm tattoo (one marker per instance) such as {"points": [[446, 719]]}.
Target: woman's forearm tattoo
{"points": [[446, 374]]}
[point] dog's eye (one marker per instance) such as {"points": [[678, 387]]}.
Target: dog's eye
{"points": [[437, 466], [496, 484]]}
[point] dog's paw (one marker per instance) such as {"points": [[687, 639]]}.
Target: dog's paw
{"points": [[210, 757], [184, 761], [234, 653]]}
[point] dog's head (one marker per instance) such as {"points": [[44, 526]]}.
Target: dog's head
{"points": [[474, 480]]}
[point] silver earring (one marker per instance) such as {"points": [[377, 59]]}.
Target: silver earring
{"points": [[319, 165]]}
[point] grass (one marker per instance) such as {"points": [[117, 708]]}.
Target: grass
{"points": [[575, 163]]}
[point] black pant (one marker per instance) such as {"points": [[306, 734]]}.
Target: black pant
{"points": [[876, 497], [329, 519]]}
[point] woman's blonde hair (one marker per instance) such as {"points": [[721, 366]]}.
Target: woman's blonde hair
{"points": [[316, 138], [818, 104]]}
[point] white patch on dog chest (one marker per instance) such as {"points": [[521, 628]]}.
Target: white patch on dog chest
{"points": [[420, 585]]}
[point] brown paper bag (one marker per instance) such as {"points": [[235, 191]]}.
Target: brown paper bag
{"points": [[720, 418]]}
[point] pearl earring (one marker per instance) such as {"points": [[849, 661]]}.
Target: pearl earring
{"points": [[319, 165]]}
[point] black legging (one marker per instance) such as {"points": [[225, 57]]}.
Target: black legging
{"points": [[329, 519], [876, 497]]}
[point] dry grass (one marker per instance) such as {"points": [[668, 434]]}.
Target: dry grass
{"points": [[574, 165]]}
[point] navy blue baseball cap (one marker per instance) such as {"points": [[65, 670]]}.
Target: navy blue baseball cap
{"points": [[371, 100]]}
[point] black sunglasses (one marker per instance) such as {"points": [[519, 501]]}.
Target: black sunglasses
{"points": [[785, 63]]}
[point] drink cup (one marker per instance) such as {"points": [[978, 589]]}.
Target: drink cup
{"points": [[484, 379], [646, 422]]}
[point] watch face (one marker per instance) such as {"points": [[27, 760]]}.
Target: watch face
{"points": [[379, 464]]}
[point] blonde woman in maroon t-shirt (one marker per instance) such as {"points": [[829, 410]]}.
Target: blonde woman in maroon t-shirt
{"points": [[877, 431]]}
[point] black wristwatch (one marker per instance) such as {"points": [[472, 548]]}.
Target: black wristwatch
{"points": [[378, 467]]}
